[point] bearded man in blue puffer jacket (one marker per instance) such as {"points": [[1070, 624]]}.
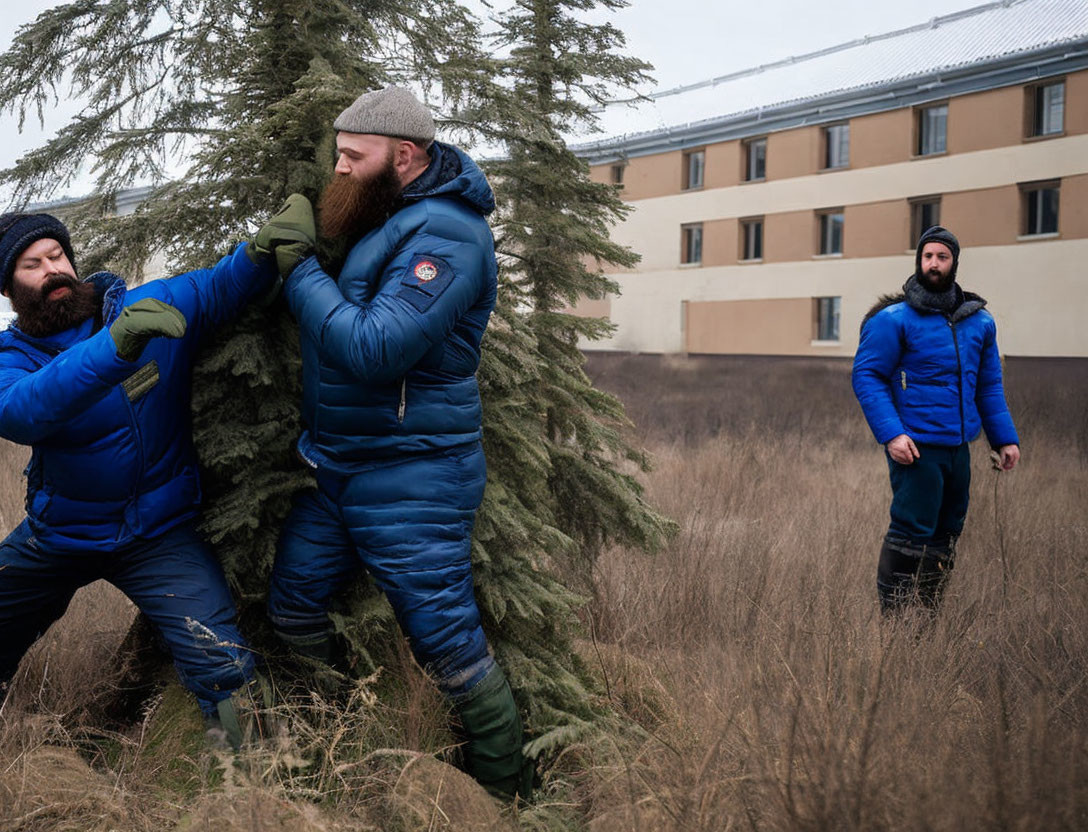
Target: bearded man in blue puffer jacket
{"points": [[927, 373], [391, 409], [96, 378]]}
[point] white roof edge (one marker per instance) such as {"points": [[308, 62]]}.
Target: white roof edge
{"points": [[932, 23]]}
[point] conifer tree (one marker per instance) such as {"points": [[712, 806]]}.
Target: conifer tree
{"points": [[559, 460], [553, 232], [247, 90]]}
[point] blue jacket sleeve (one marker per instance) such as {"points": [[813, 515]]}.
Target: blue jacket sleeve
{"points": [[36, 402], [210, 297], [382, 339], [990, 395], [879, 353]]}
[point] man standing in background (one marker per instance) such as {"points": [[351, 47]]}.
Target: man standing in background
{"points": [[927, 374]]}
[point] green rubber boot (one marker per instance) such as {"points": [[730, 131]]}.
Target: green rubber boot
{"points": [[493, 738], [240, 719]]}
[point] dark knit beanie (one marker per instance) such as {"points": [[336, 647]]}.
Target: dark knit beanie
{"points": [[393, 111], [19, 231], [936, 234]]}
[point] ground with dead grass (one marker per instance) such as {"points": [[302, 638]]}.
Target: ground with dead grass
{"points": [[754, 683]]}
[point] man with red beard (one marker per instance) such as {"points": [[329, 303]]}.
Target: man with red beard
{"points": [[927, 373], [95, 377], [391, 409]]}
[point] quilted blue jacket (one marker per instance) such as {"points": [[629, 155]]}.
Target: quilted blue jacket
{"points": [[390, 348], [933, 377], [113, 456]]}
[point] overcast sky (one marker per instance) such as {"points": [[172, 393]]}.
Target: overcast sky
{"points": [[685, 40]]}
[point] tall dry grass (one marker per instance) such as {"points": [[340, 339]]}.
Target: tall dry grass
{"points": [[757, 685], [772, 694]]}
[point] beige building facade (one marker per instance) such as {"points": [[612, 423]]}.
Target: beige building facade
{"points": [[773, 231]]}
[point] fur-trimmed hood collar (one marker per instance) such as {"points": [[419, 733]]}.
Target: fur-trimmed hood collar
{"points": [[969, 304]]}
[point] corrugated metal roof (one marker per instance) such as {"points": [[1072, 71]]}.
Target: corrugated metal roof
{"points": [[972, 37]]}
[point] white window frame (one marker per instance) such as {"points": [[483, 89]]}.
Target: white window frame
{"points": [[691, 244], [747, 227], [1044, 122], [1033, 201], [917, 226], [751, 159], [828, 310], [826, 232], [694, 169], [837, 150], [934, 116]]}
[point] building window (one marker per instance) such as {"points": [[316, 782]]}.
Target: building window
{"points": [[925, 212], [827, 318], [831, 231], [932, 130], [837, 146], [751, 239], [691, 243], [694, 164], [617, 173], [755, 160], [1040, 208], [1046, 109]]}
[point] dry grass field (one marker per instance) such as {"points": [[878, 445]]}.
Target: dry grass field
{"points": [[757, 684]]}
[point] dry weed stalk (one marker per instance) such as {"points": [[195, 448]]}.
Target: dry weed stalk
{"points": [[756, 685]]}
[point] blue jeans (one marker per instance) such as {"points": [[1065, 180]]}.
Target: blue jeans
{"points": [[407, 521], [175, 581]]}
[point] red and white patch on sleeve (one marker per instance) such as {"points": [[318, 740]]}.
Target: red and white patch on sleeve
{"points": [[426, 271]]}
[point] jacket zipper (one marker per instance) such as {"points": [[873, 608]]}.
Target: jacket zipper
{"points": [[403, 399], [136, 434], [959, 375]]}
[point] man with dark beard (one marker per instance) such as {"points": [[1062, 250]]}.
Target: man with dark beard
{"points": [[927, 373], [95, 377], [392, 411]]}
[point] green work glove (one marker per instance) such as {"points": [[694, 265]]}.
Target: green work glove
{"points": [[144, 320], [290, 235]]}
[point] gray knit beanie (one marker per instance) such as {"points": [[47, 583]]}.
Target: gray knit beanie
{"points": [[393, 111]]}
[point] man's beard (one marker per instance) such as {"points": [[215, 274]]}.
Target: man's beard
{"points": [[350, 208], [40, 317], [936, 282]]}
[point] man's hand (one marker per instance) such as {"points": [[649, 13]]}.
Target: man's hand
{"points": [[146, 319], [290, 235], [902, 449], [1006, 457]]}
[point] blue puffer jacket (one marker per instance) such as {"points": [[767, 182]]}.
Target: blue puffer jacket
{"points": [[390, 349], [113, 457], [933, 377]]}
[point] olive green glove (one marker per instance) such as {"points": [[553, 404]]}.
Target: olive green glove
{"points": [[290, 235], [144, 320]]}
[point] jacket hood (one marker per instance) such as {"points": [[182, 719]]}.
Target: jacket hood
{"points": [[969, 304], [452, 174]]}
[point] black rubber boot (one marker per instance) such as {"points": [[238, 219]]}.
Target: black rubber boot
{"points": [[910, 575], [936, 568], [493, 738], [317, 646]]}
